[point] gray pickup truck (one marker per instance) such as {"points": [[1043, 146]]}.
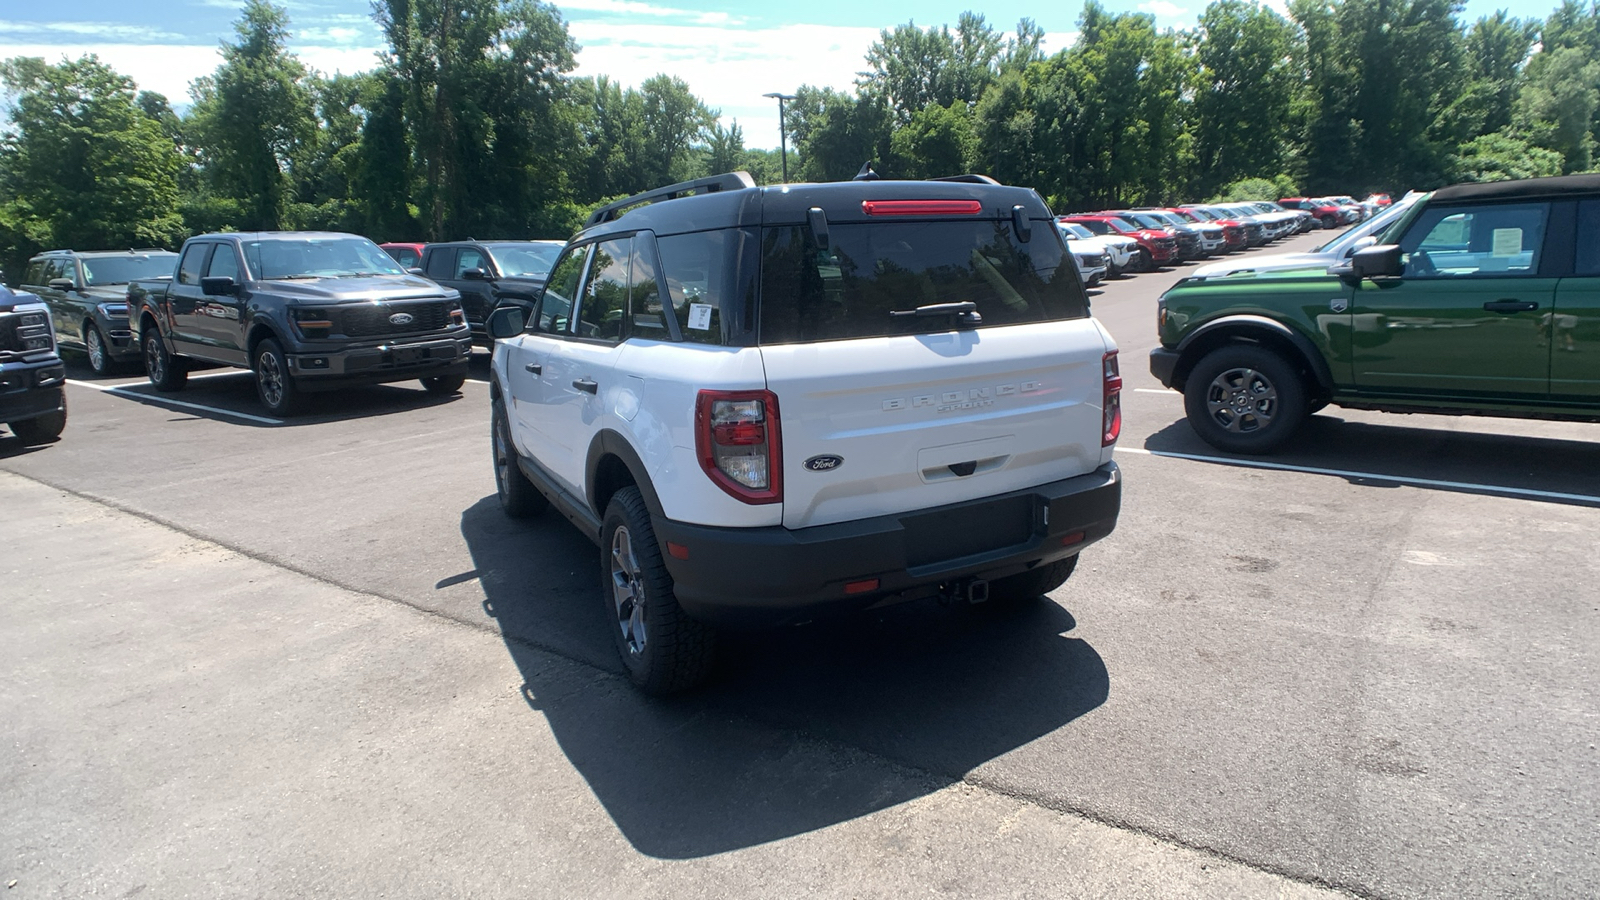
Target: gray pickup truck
{"points": [[305, 311]]}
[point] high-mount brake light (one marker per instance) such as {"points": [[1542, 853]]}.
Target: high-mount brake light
{"points": [[1111, 399], [739, 445], [921, 207]]}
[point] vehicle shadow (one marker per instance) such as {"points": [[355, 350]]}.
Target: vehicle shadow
{"points": [[1470, 462], [230, 396], [772, 748], [12, 446]]}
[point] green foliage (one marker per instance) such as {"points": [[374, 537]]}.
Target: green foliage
{"points": [[1556, 108], [1502, 155], [937, 141], [1255, 189]]}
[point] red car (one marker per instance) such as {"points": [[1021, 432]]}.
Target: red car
{"points": [[1155, 247], [409, 256], [1233, 234], [1327, 213]]}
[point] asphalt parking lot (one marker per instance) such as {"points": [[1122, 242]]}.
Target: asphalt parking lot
{"points": [[1368, 664]]}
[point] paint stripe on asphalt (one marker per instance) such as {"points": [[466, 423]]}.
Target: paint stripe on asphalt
{"points": [[1370, 476], [124, 392]]}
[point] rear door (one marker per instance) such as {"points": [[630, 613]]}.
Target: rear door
{"points": [[184, 298], [1575, 327], [884, 412]]}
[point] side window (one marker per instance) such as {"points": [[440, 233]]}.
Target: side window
{"points": [[555, 307], [469, 259], [442, 263], [644, 297], [605, 294], [35, 273], [694, 266], [193, 259], [1454, 242], [53, 269], [1588, 262], [224, 263], [406, 257]]}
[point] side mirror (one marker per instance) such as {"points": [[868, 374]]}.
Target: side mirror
{"points": [[62, 284], [218, 286], [415, 270], [475, 275], [507, 321], [1360, 244], [1379, 261]]}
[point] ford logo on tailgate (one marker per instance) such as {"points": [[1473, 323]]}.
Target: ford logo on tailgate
{"points": [[401, 319], [824, 463]]}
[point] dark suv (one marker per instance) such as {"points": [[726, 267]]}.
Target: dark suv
{"points": [[490, 274], [86, 292], [1483, 299]]}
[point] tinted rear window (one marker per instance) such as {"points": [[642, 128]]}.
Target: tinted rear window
{"points": [[848, 290]]}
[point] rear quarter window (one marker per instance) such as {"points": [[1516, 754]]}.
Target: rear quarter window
{"points": [[849, 289]]}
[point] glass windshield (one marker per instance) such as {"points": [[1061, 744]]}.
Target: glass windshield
{"points": [[1148, 221], [525, 259], [1374, 226], [1122, 225], [874, 277], [317, 257], [1076, 230], [123, 269]]}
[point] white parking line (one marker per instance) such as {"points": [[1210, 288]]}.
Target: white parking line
{"points": [[1372, 476], [124, 392], [1157, 391]]}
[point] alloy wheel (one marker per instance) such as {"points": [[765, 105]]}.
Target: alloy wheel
{"points": [[1242, 400], [627, 590], [269, 375]]}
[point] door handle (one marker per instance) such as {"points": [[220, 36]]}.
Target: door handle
{"points": [[1511, 306], [535, 368], [586, 384]]}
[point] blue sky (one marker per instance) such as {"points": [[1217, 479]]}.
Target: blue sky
{"points": [[729, 53]]}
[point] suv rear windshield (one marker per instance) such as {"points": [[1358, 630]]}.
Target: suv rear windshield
{"points": [[849, 289]]}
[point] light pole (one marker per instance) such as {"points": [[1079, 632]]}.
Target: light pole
{"points": [[783, 133]]}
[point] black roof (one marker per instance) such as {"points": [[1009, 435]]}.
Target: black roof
{"points": [[1521, 189]]}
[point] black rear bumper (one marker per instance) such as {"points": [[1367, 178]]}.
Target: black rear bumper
{"points": [[768, 576]]}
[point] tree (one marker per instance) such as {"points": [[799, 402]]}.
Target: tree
{"points": [[938, 141], [83, 165], [674, 122], [835, 133], [254, 116], [1496, 48], [1557, 105], [1244, 90], [1501, 156], [724, 149]]}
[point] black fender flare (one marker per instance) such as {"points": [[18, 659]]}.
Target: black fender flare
{"points": [[611, 443], [1242, 326], [260, 327]]}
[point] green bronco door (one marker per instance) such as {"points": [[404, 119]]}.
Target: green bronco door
{"points": [[1575, 327], [1471, 316]]}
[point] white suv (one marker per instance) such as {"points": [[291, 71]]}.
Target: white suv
{"points": [[768, 403]]}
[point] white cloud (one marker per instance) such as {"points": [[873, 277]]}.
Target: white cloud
{"points": [[1163, 9], [86, 29], [332, 35], [164, 68]]}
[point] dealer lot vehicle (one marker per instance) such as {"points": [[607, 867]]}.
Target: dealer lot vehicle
{"points": [[407, 253], [1156, 246], [1090, 258], [33, 403], [490, 274], [304, 311], [87, 296], [1121, 253], [1484, 300], [1341, 247], [764, 404]]}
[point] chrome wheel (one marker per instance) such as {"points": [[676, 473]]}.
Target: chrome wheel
{"points": [[1242, 400], [627, 591], [502, 457], [269, 377], [97, 349], [155, 362]]}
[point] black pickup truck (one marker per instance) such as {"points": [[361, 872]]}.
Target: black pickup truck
{"points": [[305, 311], [32, 403], [491, 274]]}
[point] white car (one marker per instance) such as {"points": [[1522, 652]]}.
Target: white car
{"points": [[767, 404], [1120, 252]]}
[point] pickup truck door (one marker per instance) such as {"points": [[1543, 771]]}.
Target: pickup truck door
{"points": [[219, 323], [184, 299], [528, 375], [477, 294]]}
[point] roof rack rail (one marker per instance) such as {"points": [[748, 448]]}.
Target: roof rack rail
{"points": [[967, 179], [730, 181]]}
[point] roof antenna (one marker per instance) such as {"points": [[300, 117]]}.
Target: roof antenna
{"points": [[866, 173]]}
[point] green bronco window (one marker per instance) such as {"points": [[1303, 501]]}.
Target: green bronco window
{"points": [[1462, 241]]}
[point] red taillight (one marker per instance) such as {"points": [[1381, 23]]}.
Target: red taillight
{"points": [[737, 440], [1111, 399], [921, 207]]}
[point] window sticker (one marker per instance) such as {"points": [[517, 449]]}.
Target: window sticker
{"points": [[700, 316], [1507, 242]]}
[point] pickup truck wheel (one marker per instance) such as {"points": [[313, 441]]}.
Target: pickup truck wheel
{"points": [[274, 384], [167, 372], [42, 429], [444, 384], [519, 499], [94, 343], [1244, 399], [1147, 263], [663, 649], [1033, 583]]}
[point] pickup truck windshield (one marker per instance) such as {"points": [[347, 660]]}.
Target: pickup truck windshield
{"points": [[302, 257], [123, 269], [524, 259]]}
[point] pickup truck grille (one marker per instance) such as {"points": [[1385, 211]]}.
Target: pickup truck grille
{"points": [[373, 319], [25, 332]]}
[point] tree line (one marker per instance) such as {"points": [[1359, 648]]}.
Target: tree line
{"points": [[472, 122]]}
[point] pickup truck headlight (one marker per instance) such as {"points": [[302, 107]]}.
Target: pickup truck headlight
{"points": [[313, 323]]}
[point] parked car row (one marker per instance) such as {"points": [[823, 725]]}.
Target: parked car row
{"points": [[1143, 238]]}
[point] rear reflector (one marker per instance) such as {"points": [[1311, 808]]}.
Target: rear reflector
{"points": [[861, 587], [1067, 540], [678, 551], [921, 207]]}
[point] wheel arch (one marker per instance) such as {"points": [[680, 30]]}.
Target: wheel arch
{"points": [[260, 330], [612, 465], [1294, 347]]}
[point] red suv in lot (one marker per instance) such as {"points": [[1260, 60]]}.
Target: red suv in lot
{"points": [[1155, 247], [1234, 237], [1326, 213]]}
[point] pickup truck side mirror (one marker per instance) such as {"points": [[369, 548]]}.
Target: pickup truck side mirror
{"points": [[476, 275], [62, 284], [218, 286], [1380, 261], [507, 321], [415, 270]]}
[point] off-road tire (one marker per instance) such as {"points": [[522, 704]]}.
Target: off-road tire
{"points": [[167, 372], [444, 384], [519, 499], [1034, 583], [41, 429], [677, 652], [274, 385], [1268, 399]]}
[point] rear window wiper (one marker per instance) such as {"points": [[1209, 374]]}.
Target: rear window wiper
{"points": [[966, 312]]}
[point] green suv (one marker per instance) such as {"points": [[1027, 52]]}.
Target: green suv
{"points": [[1484, 299]]}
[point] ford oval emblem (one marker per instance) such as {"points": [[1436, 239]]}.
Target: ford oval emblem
{"points": [[825, 463], [401, 319]]}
